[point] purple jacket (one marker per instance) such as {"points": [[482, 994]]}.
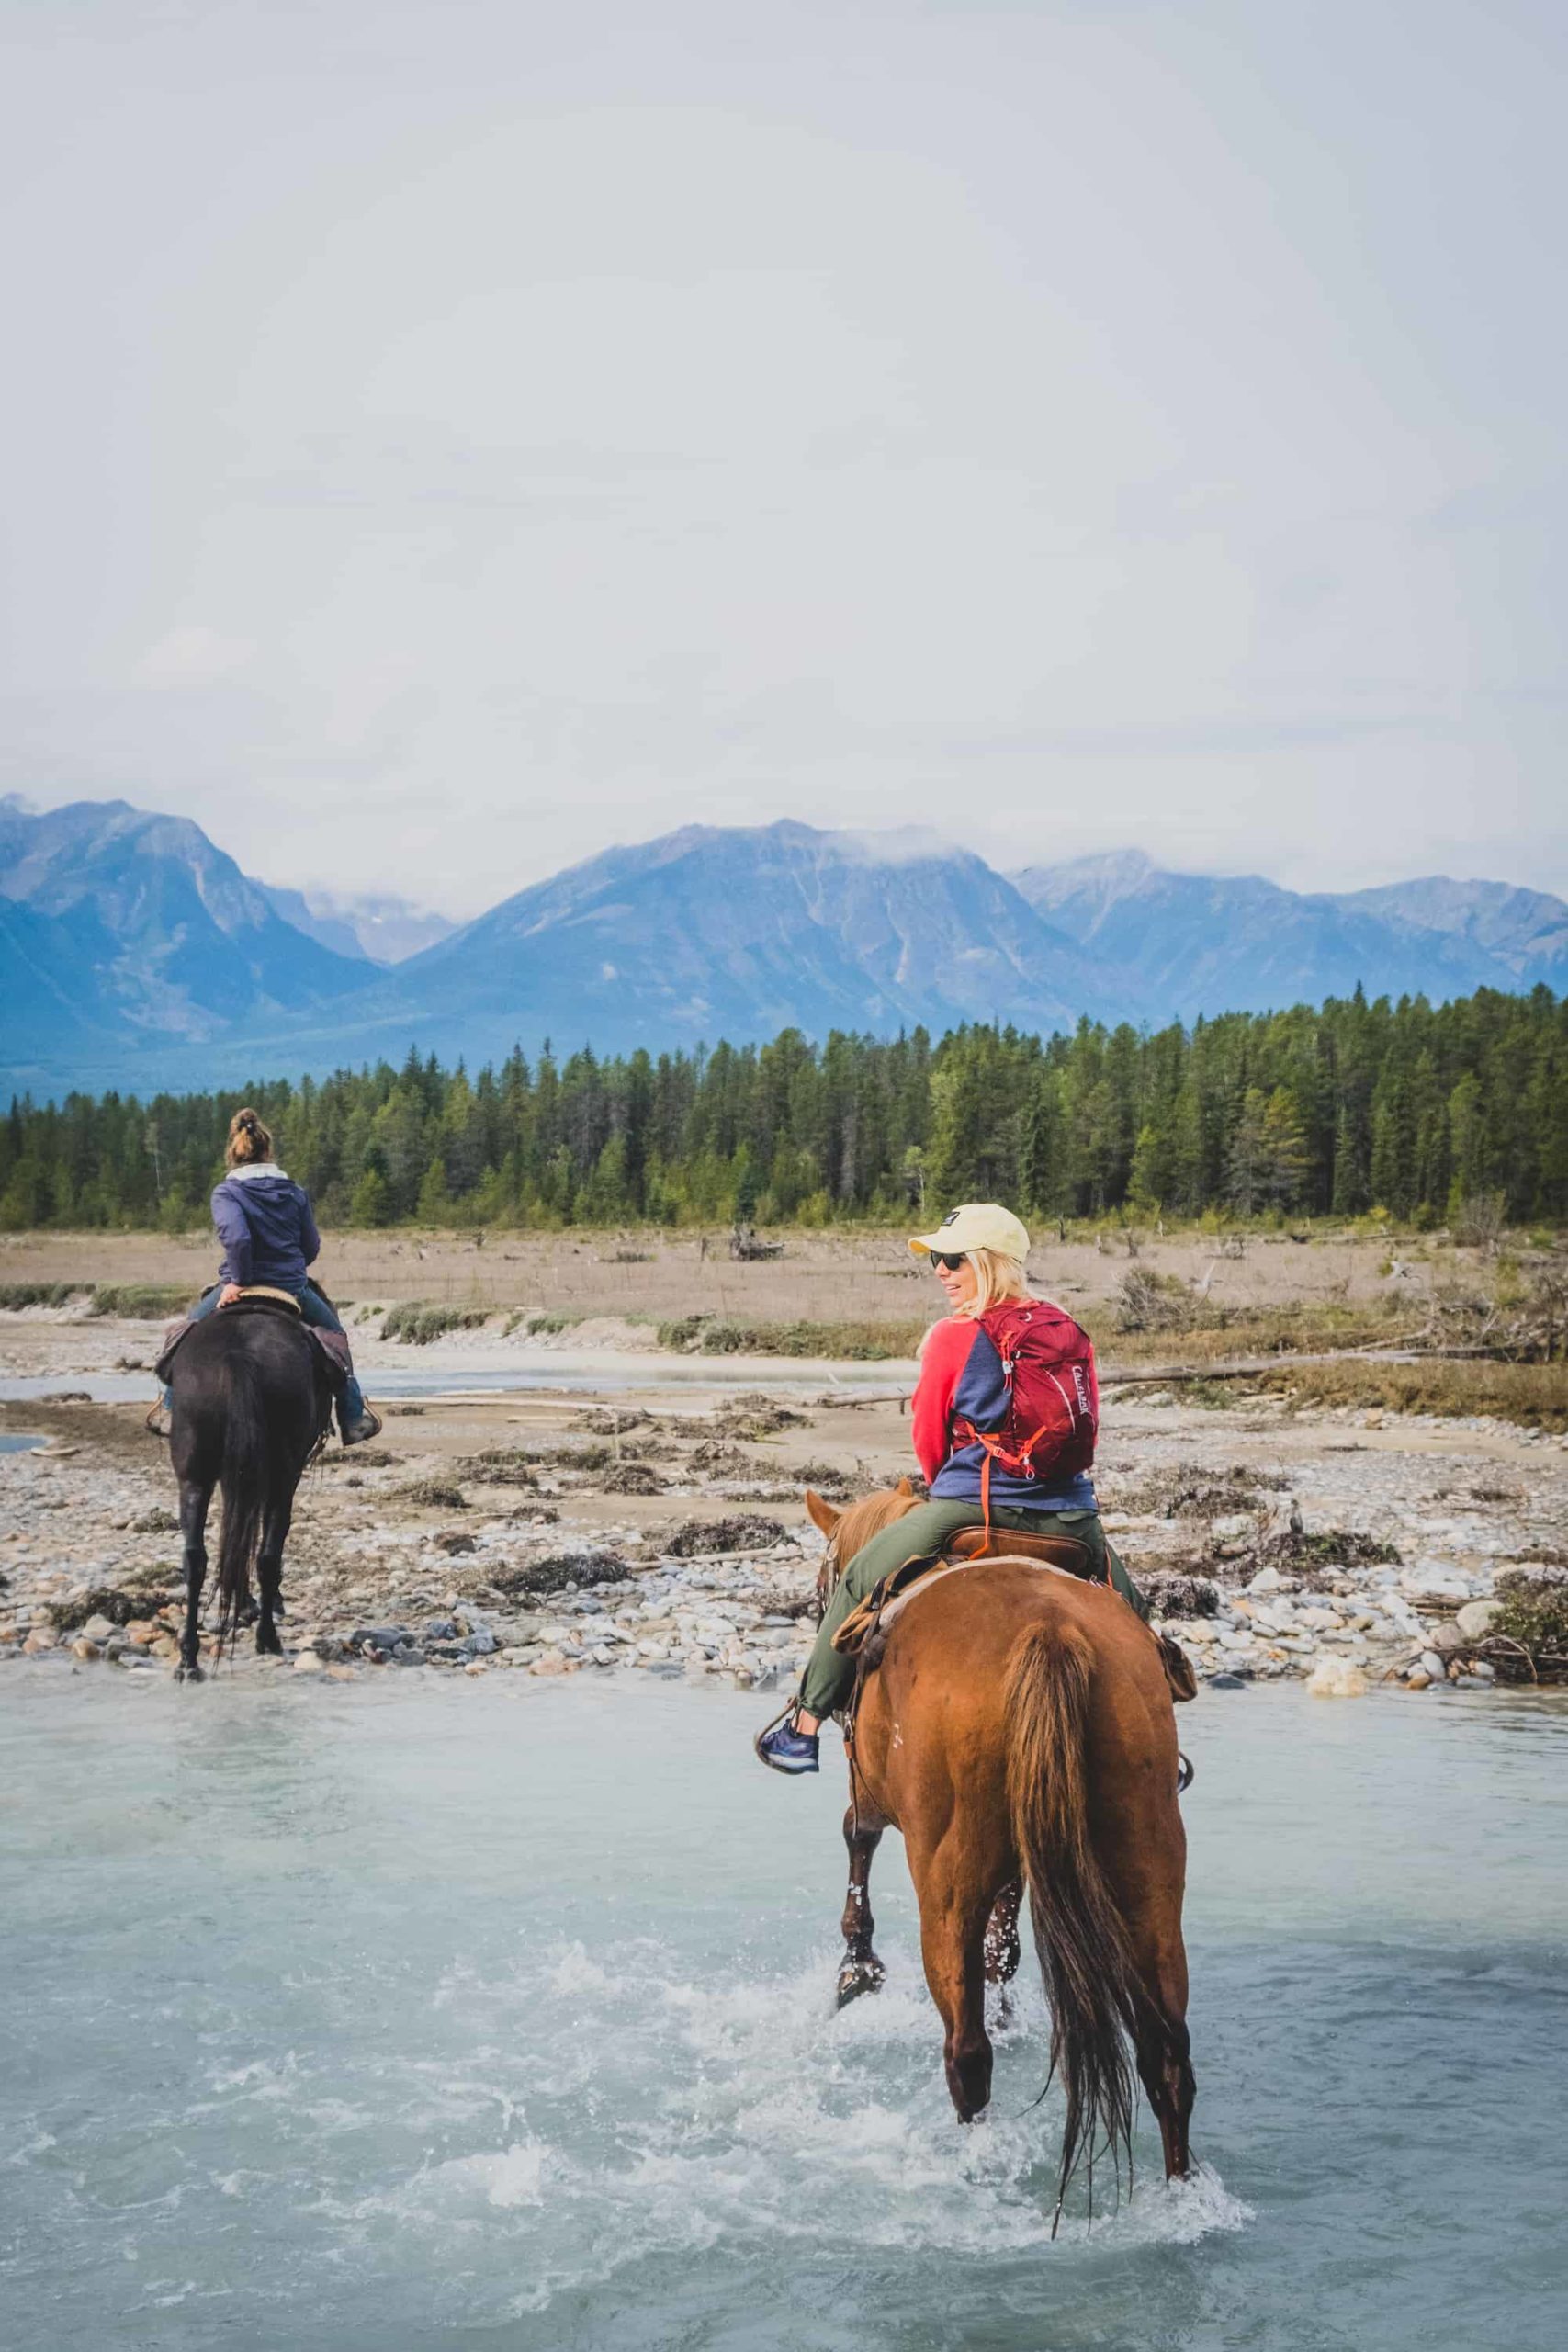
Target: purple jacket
{"points": [[264, 1223]]}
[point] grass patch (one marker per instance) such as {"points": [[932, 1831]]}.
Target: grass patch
{"points": [[1534, 1395], [1193, 1495], [560, 1569], [500, 1466], [140, 1302], [545, 1326], [747, 1532], [419, 1323], [436, 1494], [855, 1342], [105, 1601], [136, 1302]]}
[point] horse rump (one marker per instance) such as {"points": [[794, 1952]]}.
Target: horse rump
{"points": [[1085, 1955]]}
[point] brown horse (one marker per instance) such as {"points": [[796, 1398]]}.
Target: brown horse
{"points": [[1017, 1729]]}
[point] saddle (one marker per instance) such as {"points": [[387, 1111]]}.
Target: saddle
{"points": [[863, 1634], [1062, 1555], [332, 1346]]}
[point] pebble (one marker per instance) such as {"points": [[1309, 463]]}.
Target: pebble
{"points": [[308, 1662]]}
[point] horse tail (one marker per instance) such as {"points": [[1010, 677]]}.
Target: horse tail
{"points": [[244, 1475], [1085, 1956]]}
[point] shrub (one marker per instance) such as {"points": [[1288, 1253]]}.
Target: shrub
{"points": [[1533, 1617], [1146, 1301]]}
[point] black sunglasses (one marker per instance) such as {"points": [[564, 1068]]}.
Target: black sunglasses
{"points": [[950, 1259]]}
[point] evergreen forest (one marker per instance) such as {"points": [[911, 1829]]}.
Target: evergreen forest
{"points": [[1406, 1107]]}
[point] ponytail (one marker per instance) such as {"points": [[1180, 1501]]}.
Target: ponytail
{"points": [[248, 1139]]}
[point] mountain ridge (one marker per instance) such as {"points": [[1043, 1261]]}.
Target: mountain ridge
{"points": [[134, 952]]}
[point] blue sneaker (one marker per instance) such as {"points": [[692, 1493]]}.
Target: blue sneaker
{"points": [[786, 1749]]}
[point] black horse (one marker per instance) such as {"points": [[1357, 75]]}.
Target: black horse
{"points": [[250, 1399]]}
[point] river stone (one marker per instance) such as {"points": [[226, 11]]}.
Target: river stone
{"points": [[1432, 1666], [1434, 1582], [1416, 1681], [82, 1647], [1448, 1635], [1475, 1620], [309, 1662], [1267, 1580], [1337, 1677]]}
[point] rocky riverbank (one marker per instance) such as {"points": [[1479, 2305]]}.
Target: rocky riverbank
{"points": [[554, 1536]]}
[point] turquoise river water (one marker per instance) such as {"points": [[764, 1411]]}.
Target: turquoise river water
{"points": [[409, 2015]]}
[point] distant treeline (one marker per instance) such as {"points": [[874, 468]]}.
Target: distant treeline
{"points": [[1356, 1105]]}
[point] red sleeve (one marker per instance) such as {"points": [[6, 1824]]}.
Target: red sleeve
{"points": [[943, 1359]]}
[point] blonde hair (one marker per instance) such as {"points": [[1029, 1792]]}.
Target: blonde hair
{"points": [[997, 1276], [248, 1139]]}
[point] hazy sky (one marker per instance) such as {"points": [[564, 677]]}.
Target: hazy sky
{"points": [[444, 440]]}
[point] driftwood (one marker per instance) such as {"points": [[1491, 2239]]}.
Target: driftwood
{"points": [[744, 1244]]}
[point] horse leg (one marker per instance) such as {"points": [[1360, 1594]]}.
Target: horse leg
{"points": [[1003, 1949], [1163, 2047], [195, 1501], [862, 1971], [269, 1575], [954, 1910]]}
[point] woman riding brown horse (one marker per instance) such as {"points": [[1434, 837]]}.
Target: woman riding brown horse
{"points": [[1017, 1728], [1004, 1418]]}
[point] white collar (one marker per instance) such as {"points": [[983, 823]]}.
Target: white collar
{"points": [[257, 1168]]}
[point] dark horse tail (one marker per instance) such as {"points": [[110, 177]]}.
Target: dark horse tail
{"points": [[244, 1475], [1084, 1952]]}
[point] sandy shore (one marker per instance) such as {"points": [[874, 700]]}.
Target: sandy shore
{"points": [[554, 1532]]}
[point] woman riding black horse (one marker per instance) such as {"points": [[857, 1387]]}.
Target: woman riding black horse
{"points": [[269, 1238]]}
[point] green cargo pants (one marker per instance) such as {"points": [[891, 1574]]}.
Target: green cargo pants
{"points": [[830, 1676]]}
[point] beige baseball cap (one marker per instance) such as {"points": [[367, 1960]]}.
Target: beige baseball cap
{"points": [[979, 1224]]}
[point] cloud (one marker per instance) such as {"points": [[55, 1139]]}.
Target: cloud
{"points": [[193, 656]]}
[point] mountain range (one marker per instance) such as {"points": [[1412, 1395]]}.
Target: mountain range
{"points": [[135, 953]]}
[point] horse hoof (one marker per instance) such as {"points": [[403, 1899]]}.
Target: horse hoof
{"points": [[858, 1977], [191, 1673]]}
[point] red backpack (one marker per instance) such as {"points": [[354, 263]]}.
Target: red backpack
{"points": [[1053, 1411]]}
